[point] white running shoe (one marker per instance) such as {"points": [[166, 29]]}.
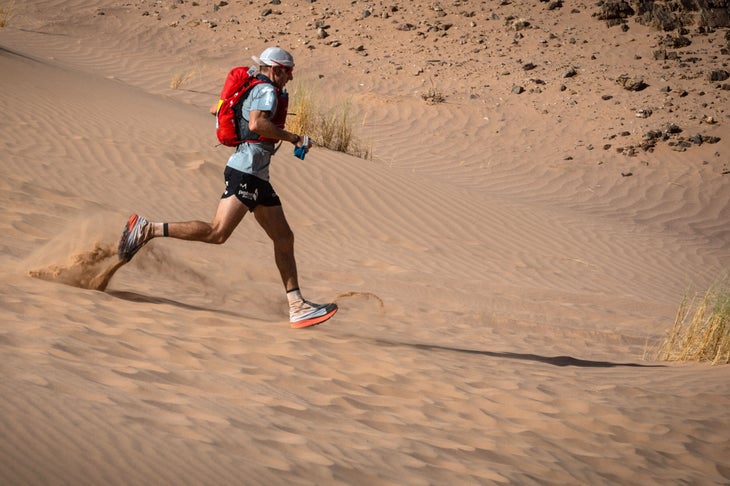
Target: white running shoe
{"points": [[305, 313], [137, 232]]}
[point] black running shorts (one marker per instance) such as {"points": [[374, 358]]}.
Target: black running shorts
{"points": [[249, 189]]}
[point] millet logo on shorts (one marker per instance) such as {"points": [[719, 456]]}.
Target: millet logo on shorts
{"points": [[245, 194]]}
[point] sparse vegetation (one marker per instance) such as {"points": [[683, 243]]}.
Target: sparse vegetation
{"points": [[6, 13], [181, 78], [433, 96], [332, 129], [701, 330]]}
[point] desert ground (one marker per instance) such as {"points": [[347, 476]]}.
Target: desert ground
{"points": [[544, 187]]}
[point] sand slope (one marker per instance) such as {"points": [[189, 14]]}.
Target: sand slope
{"points": [[501, 284]]}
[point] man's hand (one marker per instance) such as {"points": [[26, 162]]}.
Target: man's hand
{"points": [[302, 146]]}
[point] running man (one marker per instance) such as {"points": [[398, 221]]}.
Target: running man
{"points": [[248, 188]]}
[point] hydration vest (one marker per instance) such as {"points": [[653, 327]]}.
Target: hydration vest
{"points": [[231, 127]]}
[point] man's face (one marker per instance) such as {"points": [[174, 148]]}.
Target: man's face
{"points": [[282, 75]]}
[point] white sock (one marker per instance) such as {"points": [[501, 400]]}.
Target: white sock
{"points": [[159, 229], [294, 297]]}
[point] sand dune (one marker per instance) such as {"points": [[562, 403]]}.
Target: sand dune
{"points": [[502, 279]]}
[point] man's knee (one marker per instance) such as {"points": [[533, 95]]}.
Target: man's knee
{"points": [[217, 239], [218, 236], [284, 239]]}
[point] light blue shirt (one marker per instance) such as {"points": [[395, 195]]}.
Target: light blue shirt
{"points": [[255, 158]]}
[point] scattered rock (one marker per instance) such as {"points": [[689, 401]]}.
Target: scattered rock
{"points": [[635, 83], [615, 12], [517, 24], [676, 42], [570, 72], [555, 5], [668, 15], [669, 134], [672, 128], [718, 75]]}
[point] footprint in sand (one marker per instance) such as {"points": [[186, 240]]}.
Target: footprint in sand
{"points": [[363, 301]]}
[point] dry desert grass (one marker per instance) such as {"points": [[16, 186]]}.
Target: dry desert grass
{"points": [[332, 128], [701, 330], [6, 13], [180, 78]]}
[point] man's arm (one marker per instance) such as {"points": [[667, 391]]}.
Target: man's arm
{"points": [[261, 124]]}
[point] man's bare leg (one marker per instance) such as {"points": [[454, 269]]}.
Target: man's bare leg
{"points": [[273, 221], [302, 313], [229, 214]]}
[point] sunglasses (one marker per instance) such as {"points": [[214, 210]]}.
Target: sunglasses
{"points": [[287, 69]]}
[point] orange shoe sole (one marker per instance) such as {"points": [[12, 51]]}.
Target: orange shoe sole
{"points": [[314, 320]]}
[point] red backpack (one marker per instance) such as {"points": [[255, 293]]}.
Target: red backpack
{"points": [[237, 86]]}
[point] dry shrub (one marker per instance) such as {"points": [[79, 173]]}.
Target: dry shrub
{"points": [[332, 129], [701, 330], [6, 13], [180, 78], [433, 96], [301, 111]]}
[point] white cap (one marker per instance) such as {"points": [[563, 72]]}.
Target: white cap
{"points": [[274, 56]]}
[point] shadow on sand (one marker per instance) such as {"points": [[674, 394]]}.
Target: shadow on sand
{"points": [[551, 360], [147, 299]]}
